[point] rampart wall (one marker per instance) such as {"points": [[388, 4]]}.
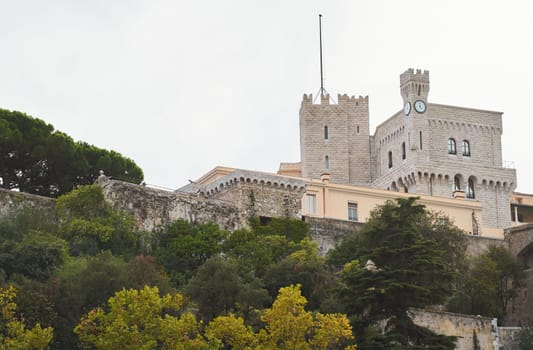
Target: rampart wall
{"points": [[12, 201]]}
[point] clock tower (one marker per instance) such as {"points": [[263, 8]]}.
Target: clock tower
{"points": [[414, 88]]}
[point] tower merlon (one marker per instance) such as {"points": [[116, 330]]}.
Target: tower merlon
{"points": [[418, 76], [352, 99]]}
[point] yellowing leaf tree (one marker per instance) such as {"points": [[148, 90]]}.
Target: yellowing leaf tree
{"points": [[13, 331], [141, 320], [288, 326]]}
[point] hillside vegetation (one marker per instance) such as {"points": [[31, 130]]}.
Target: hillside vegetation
{"points": [[90, 280]]}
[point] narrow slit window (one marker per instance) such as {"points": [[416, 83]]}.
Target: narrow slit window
{"points": [[403, 150], [420, 139], [326, 162], [390, 159], [326, 133]]}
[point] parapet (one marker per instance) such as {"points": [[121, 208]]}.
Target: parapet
{"points": [[352, 99], [412, 75], [341, 99]]}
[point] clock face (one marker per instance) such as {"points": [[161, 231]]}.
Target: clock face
{"points": [[420, 106], [407, 108]]}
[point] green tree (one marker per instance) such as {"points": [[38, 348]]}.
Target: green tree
{"points": [[184, 247], [144, 271], [141, 319], [255, 252], [13, 332], [490, 284], [411, 270], [37, 255], [84, 283], [305, 267], [29, 246], [525, 338], [217, 289], [295, 230], [38, 159], [91, 225]]}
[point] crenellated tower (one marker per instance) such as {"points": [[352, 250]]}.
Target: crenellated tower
{"points": [[334, 138]]}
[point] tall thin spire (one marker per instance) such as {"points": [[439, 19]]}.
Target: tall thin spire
{"points": [[321, 67]]}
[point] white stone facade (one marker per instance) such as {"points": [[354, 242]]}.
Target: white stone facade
{"points": [[410, 152]]}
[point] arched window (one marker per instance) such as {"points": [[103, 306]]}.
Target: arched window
{"points": [[465, 148], [451, 146], [390, 159], [326, 161], [326, 136], [456, 184], [470, 192], [403, 150]]}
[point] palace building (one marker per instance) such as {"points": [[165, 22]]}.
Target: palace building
{"points": [[425, 148]]}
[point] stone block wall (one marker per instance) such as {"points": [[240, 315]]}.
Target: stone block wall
{"points": [[459, 325], [328, 233], [509, 338], [347, 145], [152, 207], [12, 201], [483, 130]]}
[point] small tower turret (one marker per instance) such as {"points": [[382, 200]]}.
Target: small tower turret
{"points": [[414, 85]]}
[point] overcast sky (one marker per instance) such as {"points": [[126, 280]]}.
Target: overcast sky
{"points": [[183, 86]]}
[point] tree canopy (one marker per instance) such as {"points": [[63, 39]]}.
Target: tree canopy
{"points": [[38, 159], [13, 332], [399, 265]]}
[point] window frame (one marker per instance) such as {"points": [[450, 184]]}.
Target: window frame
{"points": [[452, 146], [310, 203], [353, 208], [465, 148], [470, 192]]}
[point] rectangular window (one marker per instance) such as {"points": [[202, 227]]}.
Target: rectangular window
{"points": [[352, 211], [310, 203], [420, 139]]}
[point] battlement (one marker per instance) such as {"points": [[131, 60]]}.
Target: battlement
{"points": [[418, 76], [352, 99], [344, 98], [308, 99]]}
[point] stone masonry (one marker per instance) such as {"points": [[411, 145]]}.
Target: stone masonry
{"points": [[409, 151], [334, 138]]}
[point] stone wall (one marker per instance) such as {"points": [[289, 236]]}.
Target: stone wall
{"points": [[152, 207], [477, 245], [12, 201], [328, 233], [458, 325], [509, 338], [347, 144]]}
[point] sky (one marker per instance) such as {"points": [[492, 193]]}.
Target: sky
{"points": [[183, 86]]}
